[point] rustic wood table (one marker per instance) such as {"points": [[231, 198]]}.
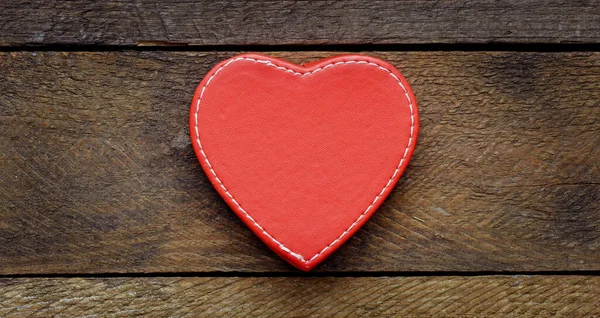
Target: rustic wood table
{"points": [[105, 211]]}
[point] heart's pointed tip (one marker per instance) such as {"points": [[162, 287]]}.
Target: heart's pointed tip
{"points": [[305, 268], [302, 265]]}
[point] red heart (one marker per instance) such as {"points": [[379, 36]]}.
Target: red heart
{"points": [[304, 155]]}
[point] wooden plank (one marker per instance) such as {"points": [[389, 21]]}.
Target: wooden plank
{"points": [[495, 296], [201, 22], [98, 173]]}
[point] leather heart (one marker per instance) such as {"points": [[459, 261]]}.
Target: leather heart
{"points": [[304, 154]]}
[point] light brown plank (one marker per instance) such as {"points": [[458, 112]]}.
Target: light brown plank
{"points": [[98, 174], [201, 22], [483, 296]]}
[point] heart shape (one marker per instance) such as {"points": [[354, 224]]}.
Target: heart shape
{"points": [[304, 154]]}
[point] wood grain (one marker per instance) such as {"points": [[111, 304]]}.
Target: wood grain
{"points": [[496, 296], [98, 173], [201, 22]]}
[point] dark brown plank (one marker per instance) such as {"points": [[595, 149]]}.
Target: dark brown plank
{"points": [[201, 22], [483, 296], [98, 174]]}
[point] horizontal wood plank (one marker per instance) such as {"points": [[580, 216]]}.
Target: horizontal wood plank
{"points": [[496, 296], [98, 173], [201, 22]]}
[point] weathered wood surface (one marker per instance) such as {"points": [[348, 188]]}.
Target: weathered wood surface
{"points": [[98, 173], [483, 296], [198, 22]]}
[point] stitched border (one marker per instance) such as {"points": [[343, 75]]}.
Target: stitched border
{"points": [[269, 63]]}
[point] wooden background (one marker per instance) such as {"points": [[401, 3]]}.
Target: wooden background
{"points": [[104, 209]]}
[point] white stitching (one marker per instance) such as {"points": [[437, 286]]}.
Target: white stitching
{"points": [[269, 63]]}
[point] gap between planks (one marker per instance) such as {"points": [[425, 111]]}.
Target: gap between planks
{"points": [[407, 47]]}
